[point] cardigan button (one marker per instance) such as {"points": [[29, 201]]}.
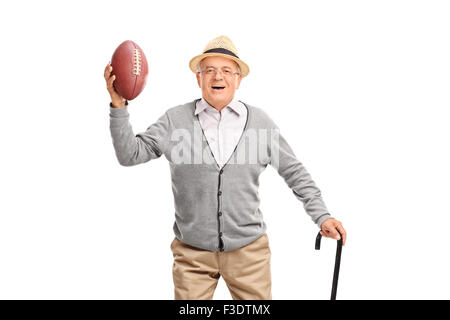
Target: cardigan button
{"points": [[220, 193], [221, 171], [220, 234], [220, 213]]}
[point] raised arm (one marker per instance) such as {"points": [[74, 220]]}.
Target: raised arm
{"points": [[134, 149]]}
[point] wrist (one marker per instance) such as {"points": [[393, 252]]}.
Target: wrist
{"points": [[322, 219], [123, 104]]}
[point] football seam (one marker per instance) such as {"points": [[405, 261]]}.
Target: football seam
{"points": [[136, 76]]}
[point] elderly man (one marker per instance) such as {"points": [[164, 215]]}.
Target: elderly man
{"points": [[219, 228]]}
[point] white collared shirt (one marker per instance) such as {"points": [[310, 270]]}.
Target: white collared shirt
{"points": [[222, 129]]}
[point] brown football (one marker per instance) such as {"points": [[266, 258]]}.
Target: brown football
{"points": [[130, 68]]}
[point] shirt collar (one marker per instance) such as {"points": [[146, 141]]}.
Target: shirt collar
{"points": [[235, 105]]}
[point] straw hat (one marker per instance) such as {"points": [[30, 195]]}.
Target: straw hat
{"points": [[223, 47]]}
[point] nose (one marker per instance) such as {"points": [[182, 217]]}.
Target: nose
{"points": [[217, 74]]}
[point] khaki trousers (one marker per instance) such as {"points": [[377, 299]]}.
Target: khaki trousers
{"points": [[246, 271]]}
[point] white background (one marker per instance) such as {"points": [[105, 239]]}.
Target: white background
{"points": [[360, 90]]}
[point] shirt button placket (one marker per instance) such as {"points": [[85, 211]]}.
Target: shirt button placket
{"points": [[220, 214]]}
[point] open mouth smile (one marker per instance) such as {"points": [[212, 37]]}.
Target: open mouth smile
{"points": [[218, 88]]}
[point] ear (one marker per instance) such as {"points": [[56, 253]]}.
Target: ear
{"points": [[199, 80], [238, 82]]}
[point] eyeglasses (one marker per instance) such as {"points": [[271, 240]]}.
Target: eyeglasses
{"points": [[227, 72]]}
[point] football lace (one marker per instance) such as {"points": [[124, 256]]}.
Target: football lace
{"points": [[137, 62]]}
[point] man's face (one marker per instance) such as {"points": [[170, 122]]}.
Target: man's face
{"points": [[218, 72]]}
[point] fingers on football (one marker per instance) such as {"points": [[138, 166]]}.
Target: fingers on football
{"points": [[110, 82], [107, 71]]}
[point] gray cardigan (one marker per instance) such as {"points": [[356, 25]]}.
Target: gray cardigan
{"points": [[216, 209]]}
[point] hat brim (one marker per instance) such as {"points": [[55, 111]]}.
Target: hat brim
{"points": [[196, 60]]}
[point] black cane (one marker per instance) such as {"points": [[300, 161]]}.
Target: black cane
{"points": [[336, 264]]}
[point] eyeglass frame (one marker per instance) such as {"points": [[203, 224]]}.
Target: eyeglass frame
{"points": [[216, 70]]}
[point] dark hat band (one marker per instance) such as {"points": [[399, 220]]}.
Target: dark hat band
{"points": [[221, 50]]}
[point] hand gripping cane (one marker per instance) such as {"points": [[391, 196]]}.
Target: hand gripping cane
{"points": [[336, 264]]}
